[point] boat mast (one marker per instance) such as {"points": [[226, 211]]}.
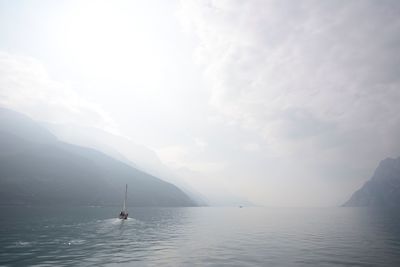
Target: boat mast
{"points": [[126, 195]]}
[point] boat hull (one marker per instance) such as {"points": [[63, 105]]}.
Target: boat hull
{"points": [[123, 216]]}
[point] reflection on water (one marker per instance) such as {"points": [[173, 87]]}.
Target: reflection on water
{"points": [[200, 236]]}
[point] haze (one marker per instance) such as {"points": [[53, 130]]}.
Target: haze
{"points": [[280, 103]]}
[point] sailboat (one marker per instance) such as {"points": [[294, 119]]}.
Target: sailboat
{"points": [[123, 215]]}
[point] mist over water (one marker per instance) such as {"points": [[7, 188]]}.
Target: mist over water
{"points": [[199, 104], [199, 237], [270, 102]]}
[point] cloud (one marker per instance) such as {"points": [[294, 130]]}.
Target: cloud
{"points": [[25, 86], [317, 81], [190, 156], [251, 147], [298, 95], [309, 72], [200, 144]]}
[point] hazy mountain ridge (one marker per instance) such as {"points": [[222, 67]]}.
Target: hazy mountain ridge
{"points": [[37, 168], [125, 150], [142, 158], [382, 190]]}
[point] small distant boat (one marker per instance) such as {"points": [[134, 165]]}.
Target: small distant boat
{"points": [[123, 215]]}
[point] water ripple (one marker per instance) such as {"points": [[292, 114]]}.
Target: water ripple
{"points": [[202, 237]]}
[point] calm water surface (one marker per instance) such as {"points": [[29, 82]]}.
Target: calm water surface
{"points": [[199, 237]]}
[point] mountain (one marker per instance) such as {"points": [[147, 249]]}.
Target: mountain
{"points": [[38, 169], [125, 150], [382, 190]]}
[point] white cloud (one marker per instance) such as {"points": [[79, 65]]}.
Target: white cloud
{"points": [[317, 80], [172, 155], [189, 156], [25, 86], [304, 70], [251, 147], [200, 143]]}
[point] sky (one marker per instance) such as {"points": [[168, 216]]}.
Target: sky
{"points": [[282, 103]]}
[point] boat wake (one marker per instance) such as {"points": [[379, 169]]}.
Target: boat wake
{"points": [[117, 221]]}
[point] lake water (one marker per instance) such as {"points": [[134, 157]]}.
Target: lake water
{"points": [[199, 237]]}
